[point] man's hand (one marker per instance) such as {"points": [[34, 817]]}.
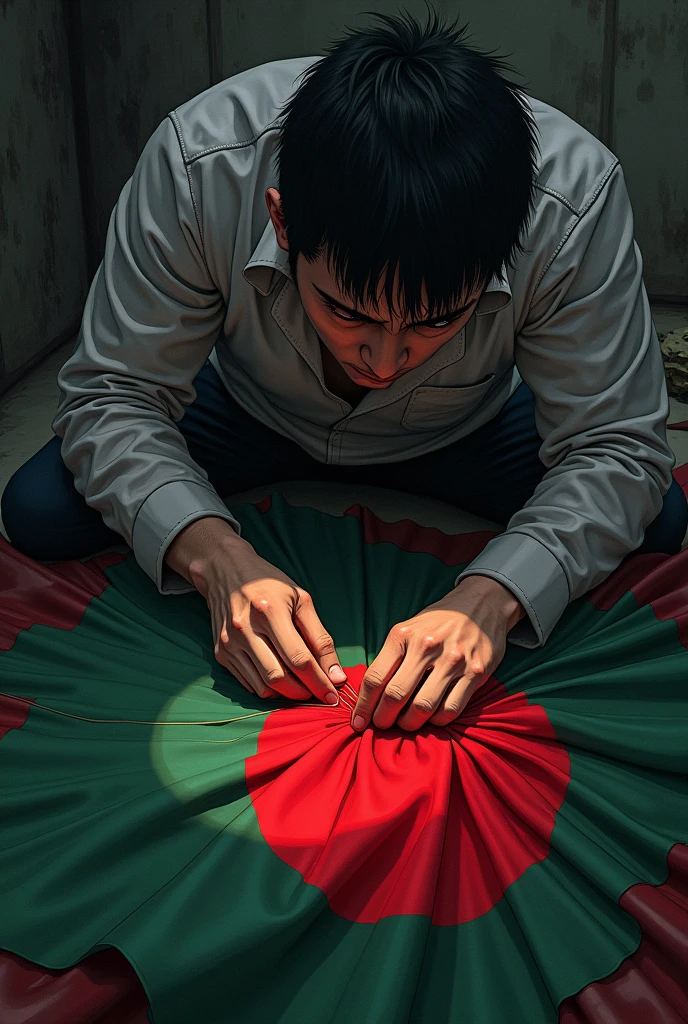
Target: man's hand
{"points": [[255, 610], [460, 640]]}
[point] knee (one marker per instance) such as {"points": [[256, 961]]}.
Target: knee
{"points": [[666, 534], [28, 502]]}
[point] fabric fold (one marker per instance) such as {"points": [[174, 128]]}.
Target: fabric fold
{"points": [[512, 865]]}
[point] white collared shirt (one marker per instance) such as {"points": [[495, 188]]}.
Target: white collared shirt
{"points": [[192, 269]]}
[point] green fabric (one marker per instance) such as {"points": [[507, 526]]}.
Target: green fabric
{"points": [[145, 837]]}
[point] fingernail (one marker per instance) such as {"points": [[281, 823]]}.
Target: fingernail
{"points": [[336, 672], [358, 722], [331, 698]]}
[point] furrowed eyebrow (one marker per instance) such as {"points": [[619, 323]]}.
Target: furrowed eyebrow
{"points": [[369, 319]]}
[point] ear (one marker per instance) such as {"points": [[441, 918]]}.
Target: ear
{"points": [[274, 205]]}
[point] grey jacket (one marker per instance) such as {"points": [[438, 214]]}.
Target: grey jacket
{"points": [[192, 269]]}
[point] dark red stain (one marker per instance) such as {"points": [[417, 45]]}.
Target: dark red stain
{"points": [[265, 504], [649, 986], [50, 595], [658, 580], [450, 548], [102, 989], [13, 713], [681, 474]]}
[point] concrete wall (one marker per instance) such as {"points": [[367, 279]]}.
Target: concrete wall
{"points": [[42, 262], [650, 134], [556, 48], [619, 67], [140, 60]]}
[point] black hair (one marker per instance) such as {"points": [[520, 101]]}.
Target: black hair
{"points": [[404, 146]]}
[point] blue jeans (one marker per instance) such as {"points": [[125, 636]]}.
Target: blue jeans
{"points": [[491, 473]]}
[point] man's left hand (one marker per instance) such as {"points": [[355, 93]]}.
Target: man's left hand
{"points": [[460, 640]]}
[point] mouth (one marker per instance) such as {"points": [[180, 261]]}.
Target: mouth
{"points": [[374, 380]]}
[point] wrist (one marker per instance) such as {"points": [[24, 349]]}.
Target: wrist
{"points": [[197, 540], [487, 587]]}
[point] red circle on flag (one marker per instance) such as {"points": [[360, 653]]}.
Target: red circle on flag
{"points": [[437, 822]]}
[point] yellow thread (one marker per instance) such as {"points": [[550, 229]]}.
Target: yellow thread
{"points": [[138, 721]]}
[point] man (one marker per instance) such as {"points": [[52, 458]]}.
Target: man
{"points": [[443, 296]]}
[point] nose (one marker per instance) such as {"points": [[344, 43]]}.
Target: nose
{"points": [[384, 357]]}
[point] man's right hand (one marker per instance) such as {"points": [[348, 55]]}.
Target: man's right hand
{"points": [[266, 631]]}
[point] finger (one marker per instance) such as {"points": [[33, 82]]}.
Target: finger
{"points": [[317, 638], [235, 660], [399, 691], [377, 675], [297, 657], [288, 685], [456, 699], [252, 675], [222, 654], [429, 698], [272, 672], [245, 672], [285, 685]]}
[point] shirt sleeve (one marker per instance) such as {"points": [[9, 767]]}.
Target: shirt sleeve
{"points": [[589, 351], [150, 321]]}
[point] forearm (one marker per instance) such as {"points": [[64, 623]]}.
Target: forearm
{"points": [[591, 511], [587, 515], [484, 588], [197, 540], [150, 322]]}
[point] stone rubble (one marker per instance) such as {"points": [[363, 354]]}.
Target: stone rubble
{"points": [[674, 347]]}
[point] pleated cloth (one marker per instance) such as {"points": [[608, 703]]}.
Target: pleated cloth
{"points": [[252, 860]]}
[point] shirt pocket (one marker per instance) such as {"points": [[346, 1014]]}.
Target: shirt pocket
{"points": [[441, 408]]}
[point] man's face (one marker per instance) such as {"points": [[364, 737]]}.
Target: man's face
{"points": [[374, 347]]}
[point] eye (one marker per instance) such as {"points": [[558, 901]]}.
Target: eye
{"points": [[440, 325], [341, 316]]}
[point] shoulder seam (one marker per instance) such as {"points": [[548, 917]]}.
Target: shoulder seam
{"points": [[180, 139], [557, 195], [232, 145], [579, 214], [603, 181]]}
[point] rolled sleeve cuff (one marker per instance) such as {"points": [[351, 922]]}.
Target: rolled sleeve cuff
{"points": [[162, 516], [533, 575]]}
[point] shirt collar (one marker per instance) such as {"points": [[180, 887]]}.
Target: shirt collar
{"points": [[269, 260]]}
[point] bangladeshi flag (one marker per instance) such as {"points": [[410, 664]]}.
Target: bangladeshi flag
{"points": [[263, 862]]}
